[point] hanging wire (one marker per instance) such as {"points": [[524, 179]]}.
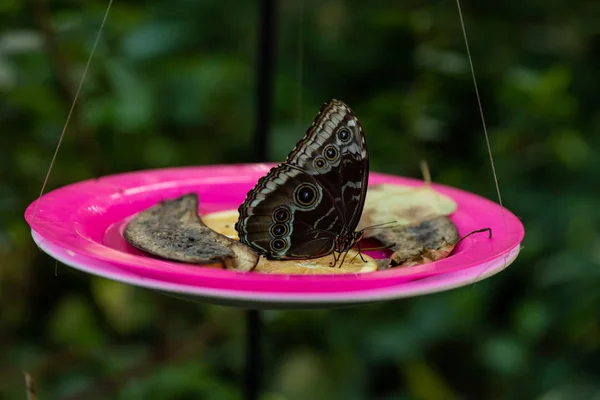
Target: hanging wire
{"points": [[487, 138], [74, 103]]}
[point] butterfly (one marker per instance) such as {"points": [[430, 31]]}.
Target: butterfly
{"points": [[309, 206]]}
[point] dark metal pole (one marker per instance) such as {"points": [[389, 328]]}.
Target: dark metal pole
{"points": [[253, 356], [265, 71]]}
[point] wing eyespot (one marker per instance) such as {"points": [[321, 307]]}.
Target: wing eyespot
{"points": [[278, 230], [277, 244], [330, 153], [344, 134], [305, 194], [319, 163], [281, 215]]}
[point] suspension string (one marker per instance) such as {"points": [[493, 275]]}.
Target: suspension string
{"points": [[300, 72], [487, 139], [74, 103]]}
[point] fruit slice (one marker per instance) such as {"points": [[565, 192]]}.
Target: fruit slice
{"points": [[403, 204], [419, 243], [318, 266], [420, 233], [222, 222]]}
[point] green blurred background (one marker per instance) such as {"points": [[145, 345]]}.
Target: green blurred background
{"points": [[173, 83]]}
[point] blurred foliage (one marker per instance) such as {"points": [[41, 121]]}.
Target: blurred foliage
{"points": [[173, 83]]}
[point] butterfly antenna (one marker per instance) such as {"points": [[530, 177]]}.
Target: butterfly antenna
{"points": [[354, 258], [368, 228], [489, 230], [388, 247]]}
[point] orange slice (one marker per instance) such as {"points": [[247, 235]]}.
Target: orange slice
{"points": [[318, 266], [224, 223]]}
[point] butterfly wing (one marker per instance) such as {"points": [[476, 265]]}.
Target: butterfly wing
{"points": [[334, 152], [285, 216], [320, 190]]}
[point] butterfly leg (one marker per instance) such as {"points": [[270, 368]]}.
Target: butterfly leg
{"points": [[336, 257], [359, 253], [343, 259]]}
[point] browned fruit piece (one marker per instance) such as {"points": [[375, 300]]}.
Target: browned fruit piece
{"points": [[420, 243], [173, 230], [421, 231]]}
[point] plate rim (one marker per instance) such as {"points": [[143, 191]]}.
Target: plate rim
{"points": [[266, 300], [263, 168]]}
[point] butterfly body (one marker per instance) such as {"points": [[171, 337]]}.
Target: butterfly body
{"points": [[309, 205]]}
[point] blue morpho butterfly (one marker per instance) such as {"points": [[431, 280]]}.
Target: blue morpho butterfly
{"points": [[309, 206]]}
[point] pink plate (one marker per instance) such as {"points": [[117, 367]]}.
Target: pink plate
{"points": [[275, 300], [81, 225]]}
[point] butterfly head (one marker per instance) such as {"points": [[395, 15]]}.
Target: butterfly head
{"points": [[345, 242]]}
